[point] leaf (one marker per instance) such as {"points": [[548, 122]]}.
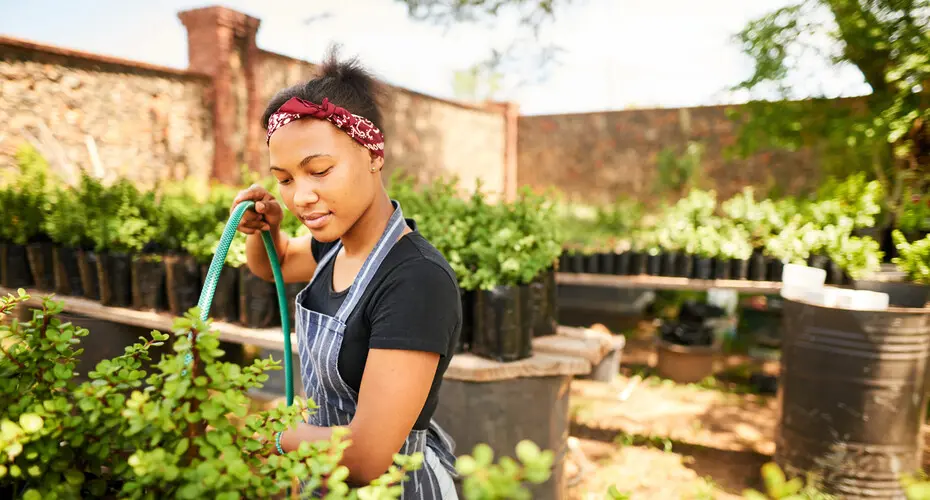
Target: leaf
{"points": [[30, 422]]}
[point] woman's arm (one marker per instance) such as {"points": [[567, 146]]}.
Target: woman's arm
{"points": [[294, 256], [414, 319], [393, 390]]}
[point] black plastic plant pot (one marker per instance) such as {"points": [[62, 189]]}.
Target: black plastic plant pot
{"points": [[739, 269], [468, 321], [721, 269], [670, 263], [654, 265], [637, 263], [576, 263], [290, 289], [67, 272], [758, 267], [529, 309], [148, 283], [87, 267], [818, 261], [226, 296], [15, 264], [622, 264], [835, 273], [606, 263], [542, 320], [551, 324], [258, 301], [564, 261], [685, 267], [114, 272], [703, 268], [592, 264], [776, 269], [497, 329], [42, 265], [182, 283]]}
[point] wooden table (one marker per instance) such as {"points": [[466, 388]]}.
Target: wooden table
{"points": [[665, 283]]}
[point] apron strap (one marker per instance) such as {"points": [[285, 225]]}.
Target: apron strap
{"points": [[393, 231]]}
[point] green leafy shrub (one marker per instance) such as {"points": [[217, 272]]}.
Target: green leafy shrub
{"points": [[66, 221], [913, 257], [25, 198], [138, 427], [485, 480]]}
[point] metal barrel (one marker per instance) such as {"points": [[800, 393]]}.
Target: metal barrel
{"points": [[853, 396]]}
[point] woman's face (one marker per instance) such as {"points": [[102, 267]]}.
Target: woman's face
{"points": [[325, 177]]}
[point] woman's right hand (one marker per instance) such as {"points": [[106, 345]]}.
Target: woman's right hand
{"points": [[265, 215]]}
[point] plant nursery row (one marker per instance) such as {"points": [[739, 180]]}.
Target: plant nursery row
{"points": [[150, 249], [744, 237]]}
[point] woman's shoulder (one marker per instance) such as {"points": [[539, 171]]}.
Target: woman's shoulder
{"points": [[419, 261]]}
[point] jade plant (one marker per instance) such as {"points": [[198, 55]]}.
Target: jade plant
{"points": [[913, 257], [175, 427]]}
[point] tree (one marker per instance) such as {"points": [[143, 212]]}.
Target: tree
{"points": [[525, 60], [884, 132]]}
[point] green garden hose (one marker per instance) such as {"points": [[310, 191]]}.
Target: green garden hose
{"points": [[213, 275]]}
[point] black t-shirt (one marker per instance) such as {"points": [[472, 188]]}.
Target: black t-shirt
{"points": [[412, 303]]}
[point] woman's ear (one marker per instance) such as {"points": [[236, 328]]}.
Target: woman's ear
{"points": [[377, 163]]}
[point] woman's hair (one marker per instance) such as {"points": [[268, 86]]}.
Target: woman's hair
{"points": [[344, 83]]}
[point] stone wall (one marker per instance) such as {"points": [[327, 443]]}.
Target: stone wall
{"points": [[140, 121], [597, 157], [425, 136]]}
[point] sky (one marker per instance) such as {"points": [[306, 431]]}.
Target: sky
{"points": [[614, 54]]}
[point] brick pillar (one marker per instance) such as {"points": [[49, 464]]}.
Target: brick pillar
{"points": [[213, 33], [510, 112]]}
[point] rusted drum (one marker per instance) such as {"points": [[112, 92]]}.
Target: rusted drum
{"points": [[853, 396]]}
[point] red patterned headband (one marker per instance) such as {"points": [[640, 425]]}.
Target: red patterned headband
{"points": [[359, 128]]}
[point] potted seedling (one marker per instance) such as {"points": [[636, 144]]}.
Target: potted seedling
{"points": [[687, 347], [708, 248], [120, 231], [913, 261], [26, 253], [66, 225]]}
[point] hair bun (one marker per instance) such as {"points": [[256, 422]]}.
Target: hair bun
{"points": [[347, 73]]}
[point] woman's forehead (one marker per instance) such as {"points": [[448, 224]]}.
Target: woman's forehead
{"points": [[297, 140]]}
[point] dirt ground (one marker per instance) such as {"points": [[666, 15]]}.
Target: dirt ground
{"points": [[644, 472], [654, 439]]}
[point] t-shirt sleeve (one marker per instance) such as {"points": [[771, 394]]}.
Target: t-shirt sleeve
{"points": [[418, 308]]}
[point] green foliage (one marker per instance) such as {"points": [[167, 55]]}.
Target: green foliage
{"points": [[122, 216], [176, 431], [486, 480], [883, 133], [25, 197], [147, 428], [915, 213], [676, 172], [778, 487], [65, 222], [913, 257], [487, 244]]}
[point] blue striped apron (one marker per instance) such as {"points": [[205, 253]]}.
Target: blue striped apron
{"points": [[319, 339]]}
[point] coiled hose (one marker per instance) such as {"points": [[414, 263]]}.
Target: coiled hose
{"points": [[213, 275]]}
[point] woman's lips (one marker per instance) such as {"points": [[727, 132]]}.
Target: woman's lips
{"points": [[316, 221]]}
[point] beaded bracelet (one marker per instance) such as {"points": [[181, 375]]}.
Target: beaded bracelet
{"points": [[277, 442]]}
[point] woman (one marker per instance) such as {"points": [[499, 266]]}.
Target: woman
{"points": [[378, 323]]}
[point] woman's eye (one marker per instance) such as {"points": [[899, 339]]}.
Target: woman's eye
{"points": [[322, 173], [284, 182]]}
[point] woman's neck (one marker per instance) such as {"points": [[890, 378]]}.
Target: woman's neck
{"points": [[364, 235]]}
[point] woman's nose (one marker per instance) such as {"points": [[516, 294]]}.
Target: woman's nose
{"points": [[305, 194]]}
